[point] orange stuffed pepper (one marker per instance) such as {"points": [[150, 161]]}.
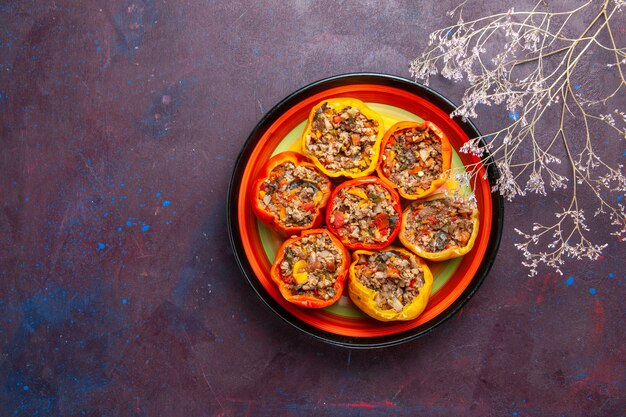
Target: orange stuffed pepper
{"points": [[415, 158], [310, 270], [439, 228], [291, 194]]}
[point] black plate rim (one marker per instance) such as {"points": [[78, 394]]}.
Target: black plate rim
{"points": [[237, 246]]}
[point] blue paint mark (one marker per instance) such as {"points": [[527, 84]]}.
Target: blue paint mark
{"points": [[98, 48], [27, 199], [515, 414], [119, 229], [25, 387], [569, 281], [611, 275], [129, 82], [158, 194], [168, 222], [592, 291], [619, 198], [124, 301], [166, 203], [122, 184], [101, 246], [60, 308], [514, 116], [129, 223], [145, 228], [577, 86]]}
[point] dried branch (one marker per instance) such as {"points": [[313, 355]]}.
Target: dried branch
{"points": [[533, 74]]}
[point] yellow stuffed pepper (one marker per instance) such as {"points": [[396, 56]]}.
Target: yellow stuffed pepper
{"points": [[389, 284], [342, 137], [439, 228]]}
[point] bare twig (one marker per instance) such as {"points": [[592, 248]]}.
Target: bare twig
{"points": [[533, 74]]}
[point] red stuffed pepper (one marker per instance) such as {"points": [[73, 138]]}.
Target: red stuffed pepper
{"points": [[364, 213], [311, 269], [291, 194]]}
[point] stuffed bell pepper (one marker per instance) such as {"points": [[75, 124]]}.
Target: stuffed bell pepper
{"points": [[291, 194], [415, 158], [342, 137], [311, 269], [390, 284], [439, 228], [364, 213]]}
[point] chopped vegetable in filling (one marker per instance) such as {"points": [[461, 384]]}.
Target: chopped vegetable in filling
{"points": [[396, 278], [412, 159], [342, 141], [310, 266], [441, 224], [364, 213], [293, 194]]}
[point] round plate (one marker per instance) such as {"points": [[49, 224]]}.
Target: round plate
{"points": [[254, 245]]}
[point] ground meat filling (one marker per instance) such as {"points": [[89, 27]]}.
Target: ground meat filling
{"points": [[292, 193], [437, 225], [342, 141], [364, 214], [412, 159], [310, 266], [395, 277]]}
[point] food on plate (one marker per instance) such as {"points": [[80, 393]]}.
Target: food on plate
{"points": [[311, 269], [390, 284], [439, 227], [415, 158], [290, 194], [364, 213], [342, 137]]}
